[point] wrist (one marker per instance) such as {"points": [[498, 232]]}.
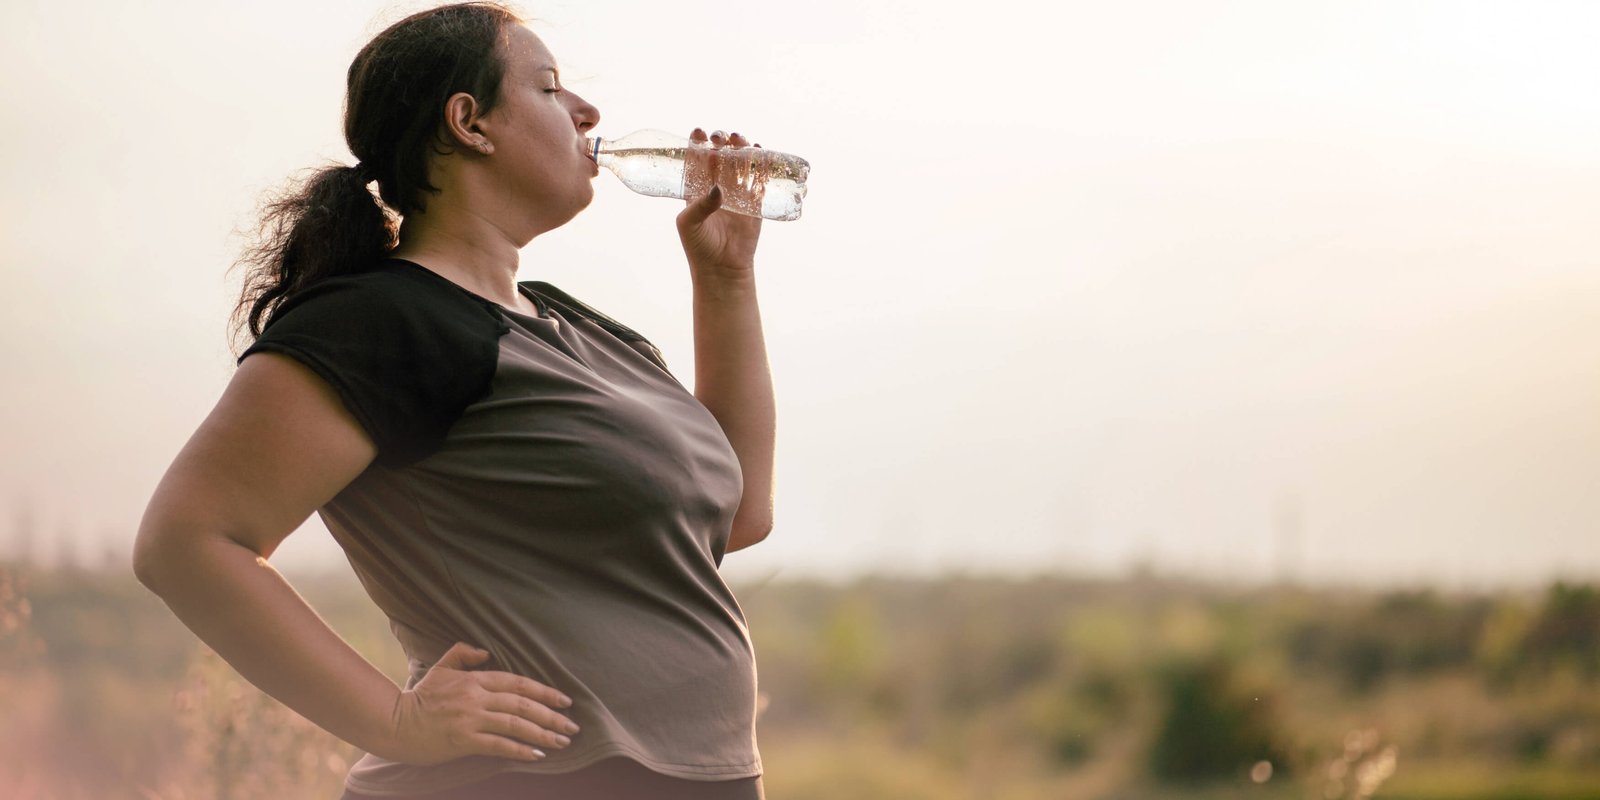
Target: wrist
{"points": [[386, 740], [724, 289], [723, 281]]}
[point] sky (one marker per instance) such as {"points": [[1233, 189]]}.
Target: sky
{"points": [[1253, 290]]}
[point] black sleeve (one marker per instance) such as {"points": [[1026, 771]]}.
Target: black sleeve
{"points": [[405, 360]]}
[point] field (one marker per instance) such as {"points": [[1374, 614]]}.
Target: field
{"points": [[948, 689]]}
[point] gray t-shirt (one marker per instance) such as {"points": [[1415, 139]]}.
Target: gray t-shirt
{"points": [[545, 489]]}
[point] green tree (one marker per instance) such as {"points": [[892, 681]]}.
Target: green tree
{"points": [[1212, 726]]}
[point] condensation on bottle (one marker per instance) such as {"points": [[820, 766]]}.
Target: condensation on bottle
{"points": [[755, 181]]}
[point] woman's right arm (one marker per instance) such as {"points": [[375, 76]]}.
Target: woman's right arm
{"points": [[278, 445]]}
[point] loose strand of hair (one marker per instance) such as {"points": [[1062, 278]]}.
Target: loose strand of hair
{"points": [[327, 225]]}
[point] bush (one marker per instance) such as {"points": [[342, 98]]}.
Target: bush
{"points": [[1566, 633], [1401, 633], [1212, 727]]}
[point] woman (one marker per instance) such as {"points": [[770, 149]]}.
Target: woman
{"points": [[519, 482]]}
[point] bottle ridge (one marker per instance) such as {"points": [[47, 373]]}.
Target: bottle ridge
{"points": [[755, 181]]}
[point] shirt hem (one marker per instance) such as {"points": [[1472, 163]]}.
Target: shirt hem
{"points": [[697, 772]]}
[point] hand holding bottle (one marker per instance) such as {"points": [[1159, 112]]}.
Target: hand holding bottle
{"points": [[714, 240], [453, 712], [757, 182]]}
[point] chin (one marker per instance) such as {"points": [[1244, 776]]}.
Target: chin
{"points": [[586, 199], [575, 211]]}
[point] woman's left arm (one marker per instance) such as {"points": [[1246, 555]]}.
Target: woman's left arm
{"points": [[732, 378]]}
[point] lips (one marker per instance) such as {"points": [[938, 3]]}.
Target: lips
{"points": [[588, 155]]}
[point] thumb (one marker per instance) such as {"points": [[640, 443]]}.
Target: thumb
{"points": [[461, 655], [699, 210]]}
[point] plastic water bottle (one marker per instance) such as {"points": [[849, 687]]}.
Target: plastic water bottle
{"points": [[755, 181]]}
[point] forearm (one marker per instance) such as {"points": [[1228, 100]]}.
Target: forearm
{"points": [[733, 379], [241, 606]]}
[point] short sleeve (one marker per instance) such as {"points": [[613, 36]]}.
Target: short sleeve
{"points": [[405, 358]]}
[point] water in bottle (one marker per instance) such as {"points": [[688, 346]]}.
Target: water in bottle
{"points": [[754, 181]]}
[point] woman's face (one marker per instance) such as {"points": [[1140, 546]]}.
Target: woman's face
{"points": [[537, 130]]}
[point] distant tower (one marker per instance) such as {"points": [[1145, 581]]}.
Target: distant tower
{"points": [[111, 558], [1288, 534], [66, 548], [20, 549]]}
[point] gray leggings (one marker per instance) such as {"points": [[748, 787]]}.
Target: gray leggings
{"points": [[611, 779]]}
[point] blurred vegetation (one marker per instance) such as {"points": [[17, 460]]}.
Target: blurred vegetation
{"points": [[961, 687]]}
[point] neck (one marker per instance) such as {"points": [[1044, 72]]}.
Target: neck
{"points": [[469, 251]]}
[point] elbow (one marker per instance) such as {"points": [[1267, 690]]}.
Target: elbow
{"points": [[150, 551], [146, 561], [746, 535], [153, 557]]}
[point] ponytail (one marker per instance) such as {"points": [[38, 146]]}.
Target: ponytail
{"points": [[332, 224], [329, 225]]}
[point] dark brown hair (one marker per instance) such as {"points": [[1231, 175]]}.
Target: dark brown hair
{"points": [[330, 223]]}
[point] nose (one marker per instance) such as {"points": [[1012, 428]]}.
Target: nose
{"points": [[584, 114]]}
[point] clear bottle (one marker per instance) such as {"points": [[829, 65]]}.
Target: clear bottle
{"points": [[755, 181]]}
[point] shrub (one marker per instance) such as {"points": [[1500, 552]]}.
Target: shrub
{"points": [[1213, 727]]}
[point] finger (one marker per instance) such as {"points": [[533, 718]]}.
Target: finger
{"points": [[697, 212], [718, 138], [737, 139], [533, 711], [512, 683], [461, 655], [491, 745], [700, 165], [512, 726]]}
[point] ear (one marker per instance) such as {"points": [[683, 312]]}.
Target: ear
{"points": [[461, 126]]}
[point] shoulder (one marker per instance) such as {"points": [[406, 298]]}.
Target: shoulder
{"points": [[385, 298], [574, 306], [405, 354]]}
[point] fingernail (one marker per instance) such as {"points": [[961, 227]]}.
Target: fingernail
{"points": [[537, 753], [698, 132], [563, 740], [565, 701]]}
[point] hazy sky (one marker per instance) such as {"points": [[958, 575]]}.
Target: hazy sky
{"points": [[1225, 287]]}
